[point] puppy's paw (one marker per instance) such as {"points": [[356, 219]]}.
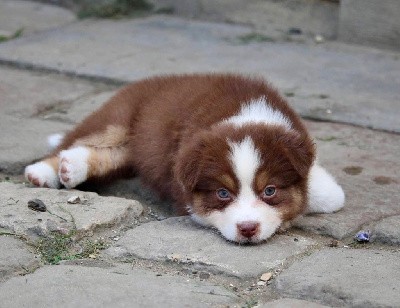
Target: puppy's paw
{"points": [[325, 195], [73, 167], [42, 174]]}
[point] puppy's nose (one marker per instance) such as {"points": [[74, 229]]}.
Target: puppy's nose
{"points": [[248, 228]]}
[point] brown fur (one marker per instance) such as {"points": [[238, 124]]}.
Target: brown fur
{"points": [[165, 129]]}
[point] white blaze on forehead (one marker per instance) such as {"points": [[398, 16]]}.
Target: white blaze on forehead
{"points": [[245, 159], [259, 111]]}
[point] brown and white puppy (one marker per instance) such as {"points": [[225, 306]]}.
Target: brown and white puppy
{"points": [[226, 148]]}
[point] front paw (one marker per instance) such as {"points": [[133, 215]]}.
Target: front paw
{"points": [[42, 174]]}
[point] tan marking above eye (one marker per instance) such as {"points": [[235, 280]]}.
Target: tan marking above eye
{"points": [[262, 180], [227, 181]]}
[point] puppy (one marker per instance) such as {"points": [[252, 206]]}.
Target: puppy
{"points": [[227, 149]]}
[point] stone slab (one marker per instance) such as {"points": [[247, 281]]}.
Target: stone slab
{"points": [[120, 286], [181, 240], [93, 212], [31, 16], [24, 140], [29, 97], [318, 79], [15, 257], [360, 159], [345, 277], [387, 231], [371, 23], [272, 18], [79, 109], [26, 94]]}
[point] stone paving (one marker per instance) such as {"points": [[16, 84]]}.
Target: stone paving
{"points": [[120, 245]]}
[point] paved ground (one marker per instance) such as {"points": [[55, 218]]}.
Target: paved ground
{"points": [[121, 246]]}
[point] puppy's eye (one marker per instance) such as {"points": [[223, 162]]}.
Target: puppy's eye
{"points": [[223, 194], [269, 191]]}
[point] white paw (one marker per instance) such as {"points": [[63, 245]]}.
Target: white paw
{"points": [[42, 174], [325, 195], [73, 167]]}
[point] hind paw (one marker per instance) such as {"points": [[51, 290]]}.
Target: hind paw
{"points": [[73, 166]]}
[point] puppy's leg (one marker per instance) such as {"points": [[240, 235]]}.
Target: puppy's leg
{"points": [[44, 173], [82, 158], [83, 163], [325, 195]]}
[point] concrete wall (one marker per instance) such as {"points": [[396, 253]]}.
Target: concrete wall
{"points": [[370, 22], [270, 17]]}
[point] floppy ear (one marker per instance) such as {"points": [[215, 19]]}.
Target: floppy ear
{"points": [[299, 149], [188, 163]]}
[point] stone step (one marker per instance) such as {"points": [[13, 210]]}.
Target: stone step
{"points": [[116, 286], [330, 82], [345, 277]]}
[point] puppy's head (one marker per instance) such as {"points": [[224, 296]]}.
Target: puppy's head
{"points": [[245, 181]]}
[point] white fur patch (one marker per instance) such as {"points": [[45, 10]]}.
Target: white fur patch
{"points": [[245, 159], [54, 140], [258, 111], [74, 166], [325, 195], [42, 174]]}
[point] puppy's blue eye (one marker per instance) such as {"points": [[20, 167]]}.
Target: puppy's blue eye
{"points": [[223, 194], [270, 191]]}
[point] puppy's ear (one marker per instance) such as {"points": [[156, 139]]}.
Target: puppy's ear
{"points": [[189, 163], [299, 149]]}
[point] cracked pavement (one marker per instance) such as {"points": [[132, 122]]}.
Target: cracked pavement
{"points": [[54, 75]]}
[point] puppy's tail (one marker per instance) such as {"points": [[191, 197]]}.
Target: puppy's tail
{"points": [[54, 141]]}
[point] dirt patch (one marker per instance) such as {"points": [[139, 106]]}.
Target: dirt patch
{"points": [[383, 180], [353, 170]]}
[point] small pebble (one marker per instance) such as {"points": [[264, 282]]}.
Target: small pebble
{"points": [[37, 205], [261, 283], [266, 276], [74, 200], [295, 31], [333, 243], [363, 236], [319, 38], [175, 257]]}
